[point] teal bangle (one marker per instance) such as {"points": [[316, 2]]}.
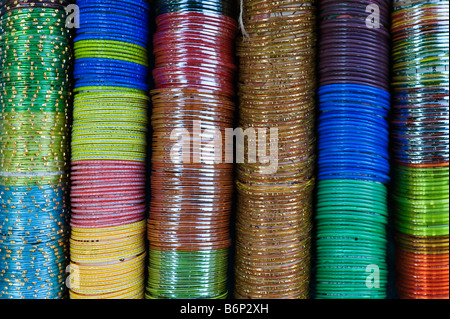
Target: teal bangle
{"points": [[338, 226], [338, 250], [353, 183], [352, 209], [349, 235], [347, 275], [338, 201], [353, 193], [353, 216]]}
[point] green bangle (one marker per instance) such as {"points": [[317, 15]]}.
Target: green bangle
{"points": [[197, 274], [423, 219], [422, 231]]}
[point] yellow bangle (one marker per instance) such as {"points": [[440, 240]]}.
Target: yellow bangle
{"points": [[115, 280], [116, 231]]}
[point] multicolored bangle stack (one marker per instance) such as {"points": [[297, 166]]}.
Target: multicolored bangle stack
{"points": [[420, 145], [35, 59], [191, 185], [109, 150], [353, 168], [277, 82]]}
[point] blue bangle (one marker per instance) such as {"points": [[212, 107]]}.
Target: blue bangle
{"points": [[367, 148], [353, 115], [354, 141], [113, 16], [359, 97], [112, 77], [126, 66], [333, 165], [30, 261], [364, 119], [116, 74], [33, 247], [49, 260], [358, 88], [113, 37], [14, 205], [364, 137], [334, 118], [110, 82], [354, 99], [87, 72], [124, 84], [38, 236], [32, 194], [96, 34], [340, 133], [111, 67], [102, 9], [130, 6], [122, 29], [107, 3], [354, 90], [112, 63], [94, 71], [353, 157], [361, 171], [353, 104], [336, 136], [31, 275], [120, 24], [355, 175], [80, 84], [350, 126], [336, 107]]}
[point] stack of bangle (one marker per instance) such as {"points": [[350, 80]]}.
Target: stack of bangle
{"points": [[277, 82], [35, 59], [192, 187], [353, 166], [109, 150], [421, 147]]}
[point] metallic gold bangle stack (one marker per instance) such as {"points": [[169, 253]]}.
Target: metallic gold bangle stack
{"points": [[276, 91]]}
